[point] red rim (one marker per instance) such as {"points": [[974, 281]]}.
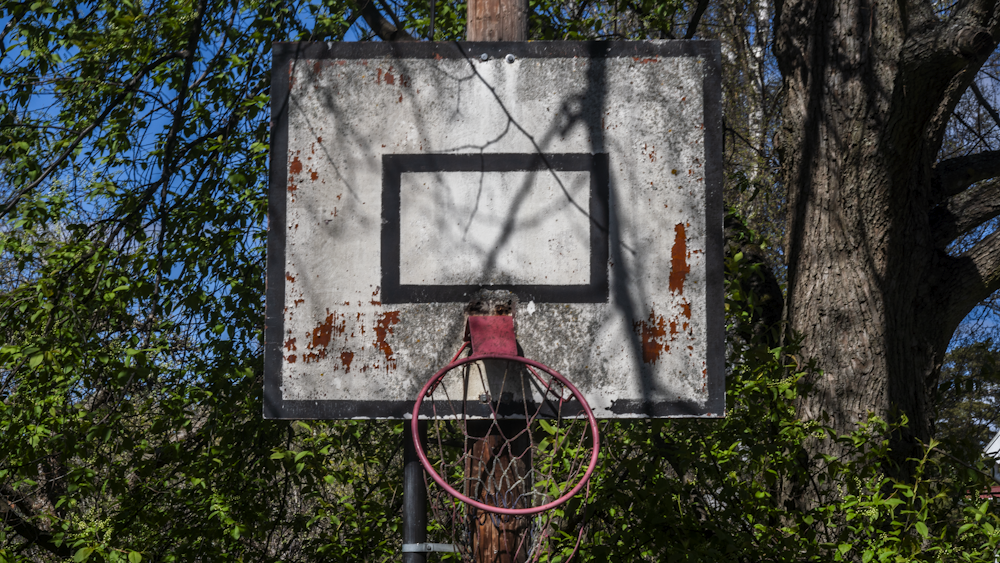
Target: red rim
{"points": [[430, 385]]}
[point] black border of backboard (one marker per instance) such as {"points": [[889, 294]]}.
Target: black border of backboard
{"points": [[284, 54], [395, 165]]}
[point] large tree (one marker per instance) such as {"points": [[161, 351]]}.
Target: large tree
{"points": [[876, 287]]}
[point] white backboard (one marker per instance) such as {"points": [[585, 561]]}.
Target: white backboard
{"points": [[583, 177]]}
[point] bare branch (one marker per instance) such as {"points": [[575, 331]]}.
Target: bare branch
{"points": [[954, 175], [980, 12], [25, 529], [382, 27], [974, 130], [941, 59], [392, 14], [696, 18], [965, 211], [970, 278], [986, 105]]}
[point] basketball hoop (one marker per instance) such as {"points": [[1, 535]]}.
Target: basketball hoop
{"points": [[508, 438]]}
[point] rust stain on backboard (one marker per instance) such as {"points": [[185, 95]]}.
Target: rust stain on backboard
{"points": [[653, 335], [383, 328], [346, 358], [391, 79], [656, 333], [295, 166], [290, 344], [320, 336], [679, 267]]}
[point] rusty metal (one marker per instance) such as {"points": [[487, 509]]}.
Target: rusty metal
{"points": [[491, 335], [515, 464], [560, 400]]}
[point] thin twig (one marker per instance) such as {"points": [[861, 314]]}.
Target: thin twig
{"points": [[129, 87], [986, 105]]}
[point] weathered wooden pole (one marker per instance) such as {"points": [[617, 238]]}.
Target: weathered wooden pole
{"points": [[496, 538], [497, 20], [497, 471]]}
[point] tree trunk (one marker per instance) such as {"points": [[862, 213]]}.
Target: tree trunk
{"points": [[497, 20], [870, 87], [497, 539]]}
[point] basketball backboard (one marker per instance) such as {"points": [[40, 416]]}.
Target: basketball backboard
{"points": [[585, 178]]}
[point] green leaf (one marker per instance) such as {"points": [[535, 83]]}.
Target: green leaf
{"points": [[921, 529], [82, 554]]}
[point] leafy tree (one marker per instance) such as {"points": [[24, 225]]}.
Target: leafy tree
{"points": [[966, 409], [134, 157]]}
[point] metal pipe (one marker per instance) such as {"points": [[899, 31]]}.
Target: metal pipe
{"points": [[414, 493]]}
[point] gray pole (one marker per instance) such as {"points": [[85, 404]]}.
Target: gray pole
{"points": [[414, 494]]}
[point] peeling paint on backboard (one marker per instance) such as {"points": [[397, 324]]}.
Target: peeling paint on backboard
{"points": [[584, 177]]}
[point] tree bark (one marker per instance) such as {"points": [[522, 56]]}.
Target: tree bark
{"points": [[497, 20], [497, 539], [873, 292]]}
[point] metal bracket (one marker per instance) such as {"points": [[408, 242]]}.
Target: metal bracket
{"points": [[427, 547], [491, 334]]}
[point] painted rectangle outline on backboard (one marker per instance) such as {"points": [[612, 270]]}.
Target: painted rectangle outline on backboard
{"points": [[284, 54], [395, 165]]}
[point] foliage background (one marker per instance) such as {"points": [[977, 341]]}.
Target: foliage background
{"points": [[133, 158]]}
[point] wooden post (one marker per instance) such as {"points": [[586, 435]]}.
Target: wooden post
{"points": [[498, 465], [497, 20], [496, 539]]}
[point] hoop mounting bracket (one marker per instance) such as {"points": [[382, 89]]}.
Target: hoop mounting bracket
{"points": [[493, 335], [427, 547]]}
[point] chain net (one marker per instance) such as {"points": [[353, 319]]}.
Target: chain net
{"points": [[508, 436]]}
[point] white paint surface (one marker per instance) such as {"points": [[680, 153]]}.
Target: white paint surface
{"points": [[648, 342], [492, 228]]}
